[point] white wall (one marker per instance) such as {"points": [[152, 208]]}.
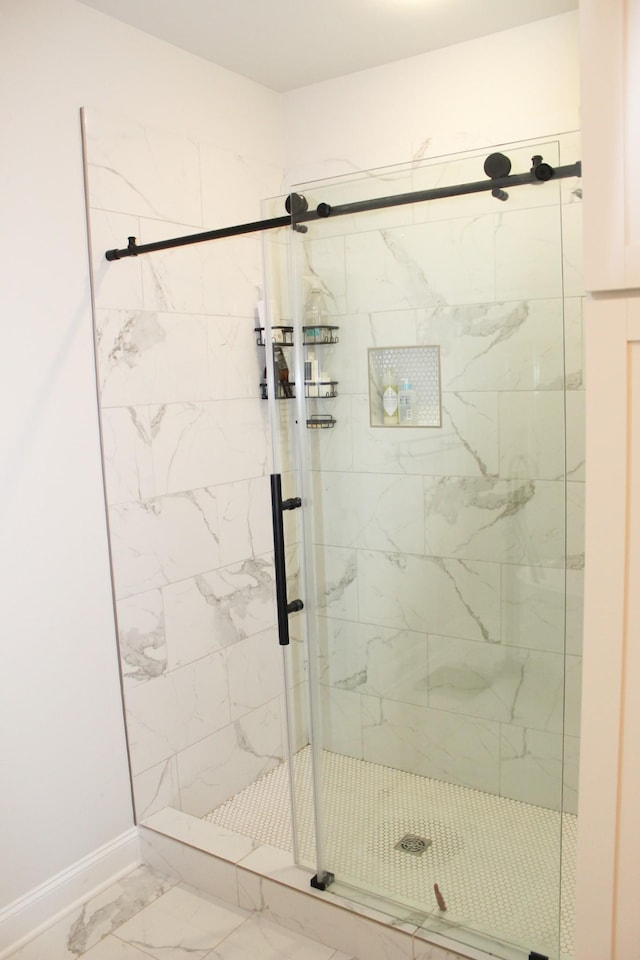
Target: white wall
{"points": [[516, 85], [64, 767]]}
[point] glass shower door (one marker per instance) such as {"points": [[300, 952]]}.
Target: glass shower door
{"points": [[435, 551]]}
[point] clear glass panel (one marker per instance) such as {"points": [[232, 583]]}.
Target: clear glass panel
{"points": [[435, 557]]}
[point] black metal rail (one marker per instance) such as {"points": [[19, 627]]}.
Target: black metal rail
{"points": [[299, 214]]}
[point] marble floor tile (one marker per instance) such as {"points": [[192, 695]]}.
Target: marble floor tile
{"points": [[174, 923], [181, 925], [113, 949], [258, 937]]}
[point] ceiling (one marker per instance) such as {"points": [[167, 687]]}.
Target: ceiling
{"points": [[285, 44]]}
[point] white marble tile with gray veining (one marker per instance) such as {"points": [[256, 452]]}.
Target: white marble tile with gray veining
{"points": [[224, 763], [141, 637], [532, 434], [363, 184], [341, 721], [378, 661], [430, 594], [176, 710], [528, 254], [204, 444], [432, 743], [244, 520], [149, 356], [572, 249], [363, 510], [432, 265], [509, 521], [358, 334], [574, 611], [575, 525], [465, 445], [126, 451], [533, 607], [186, 864], [531, 766], [156, 788], [218, 608], [254, 669], [203, 834], [218, 279], [343, 930], [573, 696], [163, 540], [336, 581], [141, 169], [85, 926], [573, 343], [234, 186], [235, 364], [514, 345], [112, 948], [117, 284], [332, 449], [322, 263], [571, 771], [259, 937], [575, 419], [182, 925], [470, 169], [496, 682]]}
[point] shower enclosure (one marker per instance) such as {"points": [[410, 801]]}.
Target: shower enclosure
{"points": [[415, 743], [439, 560]]}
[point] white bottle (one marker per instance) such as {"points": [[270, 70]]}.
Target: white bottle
{"points": [[315, 314], [311, 375], [389, 396], [406, 403]]}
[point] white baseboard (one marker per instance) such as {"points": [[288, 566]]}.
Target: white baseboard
{"points": [[47, 904]]}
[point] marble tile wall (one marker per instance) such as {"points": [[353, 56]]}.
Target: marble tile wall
{"points": [[186, 458], [444, 555]]}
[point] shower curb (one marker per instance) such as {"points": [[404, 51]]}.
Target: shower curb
{"points": [[266, 880]]}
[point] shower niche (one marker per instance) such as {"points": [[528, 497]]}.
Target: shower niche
{"points": [[408, 370]]}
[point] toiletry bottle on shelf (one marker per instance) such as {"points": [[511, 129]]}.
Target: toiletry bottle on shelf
{"points": [[389, 396], [270, 315], [406, 403], [261, 309], [311, 375], [281, 369], [315, 313]]}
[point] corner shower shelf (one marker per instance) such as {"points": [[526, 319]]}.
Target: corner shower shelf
{"points": [[321, 421], [282, 335], [313, 390], [318, 335], [321, 334], [313, 336]]}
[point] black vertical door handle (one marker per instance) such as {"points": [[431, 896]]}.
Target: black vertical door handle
{"points": [[283, 607]]}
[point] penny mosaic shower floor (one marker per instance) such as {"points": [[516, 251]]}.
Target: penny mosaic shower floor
{"points": [[496, 861]]}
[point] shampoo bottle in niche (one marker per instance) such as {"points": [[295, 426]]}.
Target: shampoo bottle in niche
{"points": [[406, 403], [389, 396]]}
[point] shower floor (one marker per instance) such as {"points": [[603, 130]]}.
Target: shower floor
{"points": [[496, 861]]}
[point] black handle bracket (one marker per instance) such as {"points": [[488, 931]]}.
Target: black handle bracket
{"points": [[284, 608]]}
